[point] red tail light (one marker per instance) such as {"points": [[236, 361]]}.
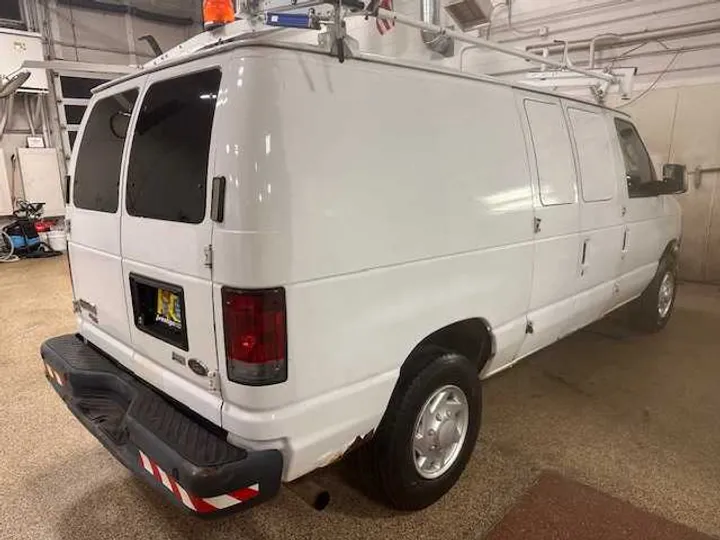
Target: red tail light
{"points": [[217, 13], [255, 336]]}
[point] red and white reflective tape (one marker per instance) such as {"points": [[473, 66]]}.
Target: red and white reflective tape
{"points": [[50, 372], [202, 505]]}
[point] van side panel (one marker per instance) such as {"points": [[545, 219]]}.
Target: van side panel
{"points": [[384, 215]]}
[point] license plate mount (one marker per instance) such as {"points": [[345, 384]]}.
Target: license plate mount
{"points": [[159, 310]]}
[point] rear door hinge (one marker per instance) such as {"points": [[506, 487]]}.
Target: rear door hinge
{"points": [[529, 328], [208, 256], [537, 223], [214, 381]]}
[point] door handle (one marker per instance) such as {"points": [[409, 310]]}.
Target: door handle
{"points": [[625, 241], [583, 259], [217, 203]]}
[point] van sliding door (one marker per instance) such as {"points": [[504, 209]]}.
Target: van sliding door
{"points": [[557, 218]]}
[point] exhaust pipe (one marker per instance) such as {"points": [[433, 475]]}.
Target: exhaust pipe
{"points": [[310, 493]]}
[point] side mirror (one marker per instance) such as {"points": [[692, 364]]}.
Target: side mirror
{"points": [[674, 179]]}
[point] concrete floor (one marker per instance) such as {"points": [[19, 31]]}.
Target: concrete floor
{"points": [[634, 416]]}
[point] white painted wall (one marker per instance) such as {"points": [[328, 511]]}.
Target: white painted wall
{"points": [[682, 125]]}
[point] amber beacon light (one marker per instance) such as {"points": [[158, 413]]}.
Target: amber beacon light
{"points": [[218, 13]]}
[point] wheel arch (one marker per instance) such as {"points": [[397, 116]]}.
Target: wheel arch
{"points": [[472, 338], [671, 249]]}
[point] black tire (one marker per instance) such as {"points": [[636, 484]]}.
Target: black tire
{"points": [[645, 313], [389, 458]]}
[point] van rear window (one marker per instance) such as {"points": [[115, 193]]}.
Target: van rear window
{"points": [[97, 170], [168, 167]]}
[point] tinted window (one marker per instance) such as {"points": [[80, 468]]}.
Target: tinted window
{"points": [[97, 171], [553, 154], [167, 172], [639, 170], [595, 157]]}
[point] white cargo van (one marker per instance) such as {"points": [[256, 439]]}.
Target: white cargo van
{"points": [[277, 257]]}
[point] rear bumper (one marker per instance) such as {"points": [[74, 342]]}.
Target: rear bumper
{"points": [[179, 454]]}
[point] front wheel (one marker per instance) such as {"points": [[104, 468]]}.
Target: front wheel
{"points": [[652, 310], [428, 433]]}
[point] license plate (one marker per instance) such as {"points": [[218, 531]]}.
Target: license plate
{"points": [[168, 309]]}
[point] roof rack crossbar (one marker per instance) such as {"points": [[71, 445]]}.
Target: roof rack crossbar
{"points": [[386, 14]]}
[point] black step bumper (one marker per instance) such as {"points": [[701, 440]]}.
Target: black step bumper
{"points": [[180, 454]]}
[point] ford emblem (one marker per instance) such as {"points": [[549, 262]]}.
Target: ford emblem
{"points": [[198, 367]]}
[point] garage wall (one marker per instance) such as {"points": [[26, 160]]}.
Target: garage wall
{"points": [[86, 34], [682, 125], [76, 31]]}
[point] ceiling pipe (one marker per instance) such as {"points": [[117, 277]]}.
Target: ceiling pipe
{"points": [[630, 38], [435, 41], [593, 42]]}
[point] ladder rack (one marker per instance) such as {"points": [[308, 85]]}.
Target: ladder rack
{"points": [[254, 23], [490, 45]]}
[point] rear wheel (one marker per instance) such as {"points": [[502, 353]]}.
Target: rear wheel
{"points": [[652, 310], [427, 434]]}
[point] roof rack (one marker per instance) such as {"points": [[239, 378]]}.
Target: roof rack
{"points": [[255, 22], [490, 45]]}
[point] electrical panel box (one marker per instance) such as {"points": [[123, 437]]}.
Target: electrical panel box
{"points": [[41, 179], [6, 207], [18, 46]]}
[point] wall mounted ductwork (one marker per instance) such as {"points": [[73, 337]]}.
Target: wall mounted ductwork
{"points": [[436, 42], [469, 14]]}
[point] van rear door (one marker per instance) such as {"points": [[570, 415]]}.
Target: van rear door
{"points": [[93, 218], [166, 235]]}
